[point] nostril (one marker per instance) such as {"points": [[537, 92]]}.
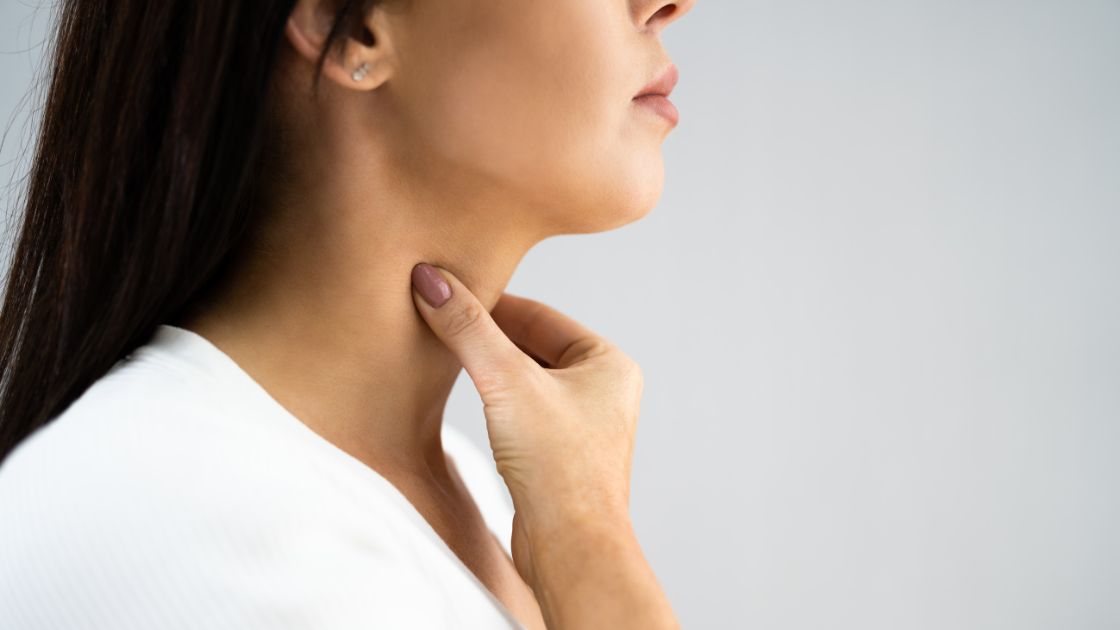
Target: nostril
{"points": [[664, 12], [663, 16]]}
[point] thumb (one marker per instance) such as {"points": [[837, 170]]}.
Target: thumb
{"points": [[465, 326]]}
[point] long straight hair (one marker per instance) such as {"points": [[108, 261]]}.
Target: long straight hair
{"points": [[146, 175]]}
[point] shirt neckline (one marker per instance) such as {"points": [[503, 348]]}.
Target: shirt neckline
{"points": [[197, 353]]}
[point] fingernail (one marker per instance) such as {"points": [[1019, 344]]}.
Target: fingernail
{"points": [[430, 284]]}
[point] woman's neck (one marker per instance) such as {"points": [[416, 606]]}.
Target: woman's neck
{"points": [[319, 311]]}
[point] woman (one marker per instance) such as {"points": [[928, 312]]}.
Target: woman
{"points": [[225, 367]]}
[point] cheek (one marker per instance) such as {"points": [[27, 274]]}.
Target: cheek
{"points": [[547, 116]]}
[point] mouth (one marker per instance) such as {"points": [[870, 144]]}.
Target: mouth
{"points": [[655, 95]]}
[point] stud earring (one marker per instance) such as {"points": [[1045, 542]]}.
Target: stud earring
{"points": [[360, 73]]}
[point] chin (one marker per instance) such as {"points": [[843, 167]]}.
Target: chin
{"points": [[611, 215], [635, 200], [613, 200]]}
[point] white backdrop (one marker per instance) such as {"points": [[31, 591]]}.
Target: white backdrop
{"points": [[877, 308]]}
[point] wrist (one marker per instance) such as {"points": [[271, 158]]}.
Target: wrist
{"points": [[558, 540], [597, 559], [564, 523]]}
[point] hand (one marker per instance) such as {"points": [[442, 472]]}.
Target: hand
{"points": [[561, 406]]}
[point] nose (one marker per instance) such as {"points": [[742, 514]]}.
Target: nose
{"points": [[655, 15]]}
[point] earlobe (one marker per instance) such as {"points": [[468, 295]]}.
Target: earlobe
{"points": [[360, 73]]}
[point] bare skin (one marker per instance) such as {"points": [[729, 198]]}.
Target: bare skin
{"points": [[561, 408], [481, 128]]}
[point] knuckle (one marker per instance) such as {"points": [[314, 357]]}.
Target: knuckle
{"points": [[584, 349], [492, 385], [464, 319], [627, 365], [600, 347], [508, 376], [632, 374]]}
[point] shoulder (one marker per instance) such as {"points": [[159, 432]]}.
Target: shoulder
{"points": [[142, 431], [142, 505], [123, 430]]}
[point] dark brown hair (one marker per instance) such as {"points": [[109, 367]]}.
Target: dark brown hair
{"points": [[144, 180]]}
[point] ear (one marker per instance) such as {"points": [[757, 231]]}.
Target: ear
{"points": [[365, 42]]}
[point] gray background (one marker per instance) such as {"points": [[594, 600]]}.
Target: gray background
{"points": [[877, 308]]}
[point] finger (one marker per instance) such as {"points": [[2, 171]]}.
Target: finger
{"points": [[464, 325], [545, 332]]}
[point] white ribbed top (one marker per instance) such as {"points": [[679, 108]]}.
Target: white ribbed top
{"points": [[177, 493]]}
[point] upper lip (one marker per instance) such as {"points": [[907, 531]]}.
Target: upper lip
{"points": [[663, 84]]}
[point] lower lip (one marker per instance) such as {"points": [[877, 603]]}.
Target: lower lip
{"points": [[661, 106]]}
